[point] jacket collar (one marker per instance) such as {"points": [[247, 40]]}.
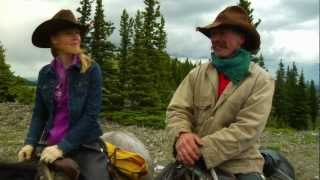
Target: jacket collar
{"points": [[212, 74], [75, 62], [50, 69]]}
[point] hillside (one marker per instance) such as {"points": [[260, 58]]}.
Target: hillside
{"points": [[301, 148]]}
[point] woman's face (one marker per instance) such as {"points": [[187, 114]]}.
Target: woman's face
{"points": [[67, 41]]}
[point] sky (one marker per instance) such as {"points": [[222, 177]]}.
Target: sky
{"points": [[289, 30]]}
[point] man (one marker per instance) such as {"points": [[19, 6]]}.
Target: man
{"points": [[220, 109]]}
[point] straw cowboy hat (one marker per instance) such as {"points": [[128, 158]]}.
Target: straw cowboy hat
{"points": [[237, 18], [64, 19]]}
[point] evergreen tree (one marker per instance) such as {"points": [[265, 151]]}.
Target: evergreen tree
{"points": [[151, 33], [13, 88], [313, 103], [179, 70], [186, 67], [161, 36], [300, 107], [85, 19], [291, 94], [279, 100], [259, 60], [126, 32], [21, 91], [138, 39], [102, 48], [149, 24], [165, 84], [6, 78], [245, 4], [102, 52], [140, 89], [111, 97], [174, 72]]}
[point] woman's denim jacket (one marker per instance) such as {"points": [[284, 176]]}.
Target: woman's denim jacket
{"points": [[84, 106]]}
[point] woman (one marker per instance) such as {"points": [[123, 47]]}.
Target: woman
{"points": [[68, 100]]}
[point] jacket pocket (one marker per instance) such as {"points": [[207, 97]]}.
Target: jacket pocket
{"points": [[47, 90], [81, 88], [202, 110]]}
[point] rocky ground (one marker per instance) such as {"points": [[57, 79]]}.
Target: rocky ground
{"points": [[301, 148]]}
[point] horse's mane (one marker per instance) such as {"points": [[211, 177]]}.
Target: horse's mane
{"points": [[18, 170]]}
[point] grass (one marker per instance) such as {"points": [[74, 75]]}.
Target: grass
{"points": [[300, 147], [144, 118]]}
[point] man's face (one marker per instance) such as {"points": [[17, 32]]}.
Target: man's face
{"points": [[226, 41]]}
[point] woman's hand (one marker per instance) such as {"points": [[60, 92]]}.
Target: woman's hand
{"points": [[50, 154], [25, 153]]}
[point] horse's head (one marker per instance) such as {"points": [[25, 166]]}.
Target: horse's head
{"points": [[18, 171], [177, 171], [34, 170]]}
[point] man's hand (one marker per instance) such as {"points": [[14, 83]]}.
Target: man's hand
{"points": [[187, 147], [25, 153], [50, 154]]}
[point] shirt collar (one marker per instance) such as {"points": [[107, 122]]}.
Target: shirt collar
{"points": [[56, 62]]}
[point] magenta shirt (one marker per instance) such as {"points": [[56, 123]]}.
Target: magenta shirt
{"points": [[61, 115]]}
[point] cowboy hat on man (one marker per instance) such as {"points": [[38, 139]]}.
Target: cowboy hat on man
{"points": [[235, 17]]}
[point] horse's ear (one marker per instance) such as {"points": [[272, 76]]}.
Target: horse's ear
{"points": [[44, 172], [169, 172]]}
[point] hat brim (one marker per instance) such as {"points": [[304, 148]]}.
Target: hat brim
{"points": [[41, 35], [252, 43]]}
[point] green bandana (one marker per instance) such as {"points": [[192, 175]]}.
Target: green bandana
{"points": [[236, 67]]}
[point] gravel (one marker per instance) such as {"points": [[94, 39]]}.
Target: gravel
{"points": [[300, 147]]}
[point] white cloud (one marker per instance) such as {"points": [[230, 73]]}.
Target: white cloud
{"points": [[288, 30], [18, 20], [303, 44]]}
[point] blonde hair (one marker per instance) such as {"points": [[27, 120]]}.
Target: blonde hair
{"points": [[85, 59]]}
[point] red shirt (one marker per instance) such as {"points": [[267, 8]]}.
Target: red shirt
{"points": [[223, 82]]}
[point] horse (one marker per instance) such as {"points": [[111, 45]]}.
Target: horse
{"points": [[18, 171], [66, 169], [34, 170], [276, 167]]}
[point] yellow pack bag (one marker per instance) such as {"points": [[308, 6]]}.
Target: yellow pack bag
{"points": [[129, 163]]}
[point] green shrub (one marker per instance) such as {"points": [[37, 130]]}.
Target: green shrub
{"points": [[146, 117], [26, 94]]}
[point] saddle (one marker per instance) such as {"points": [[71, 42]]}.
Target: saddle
{"points": [[122, 165], [177, 171], [276, 167], [67, 166]]}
